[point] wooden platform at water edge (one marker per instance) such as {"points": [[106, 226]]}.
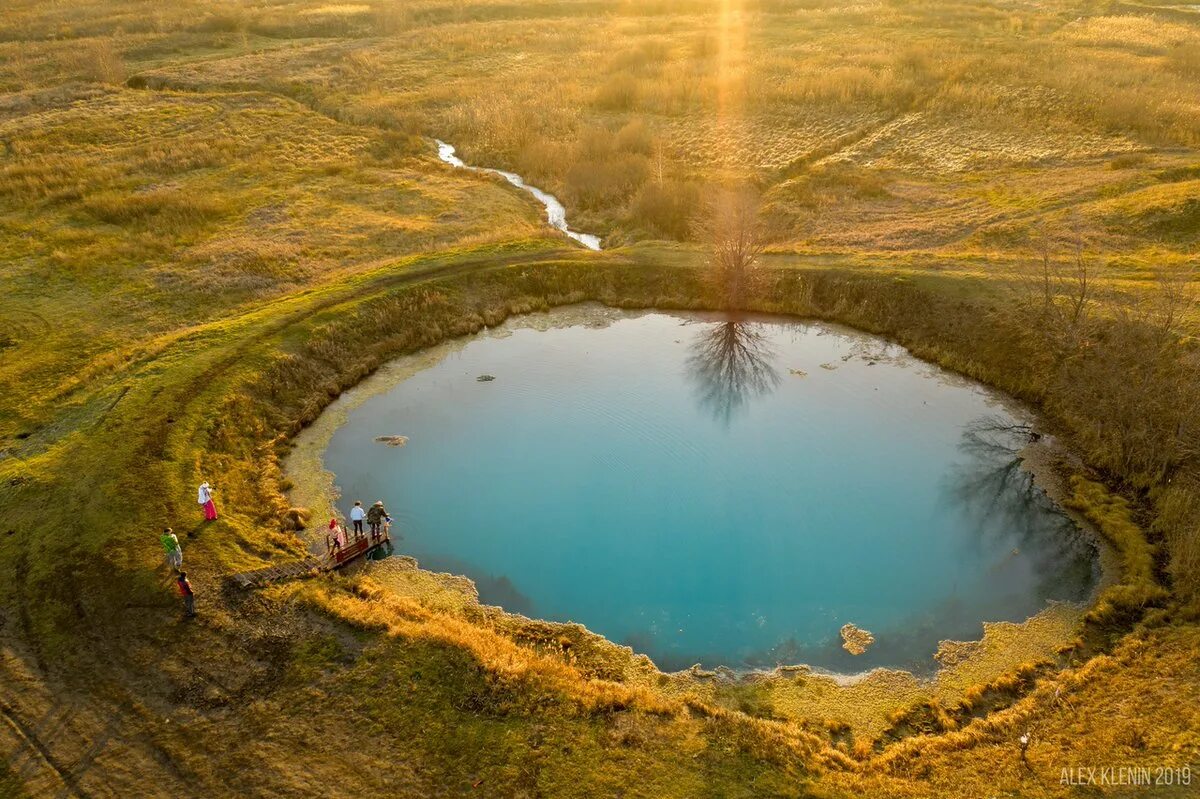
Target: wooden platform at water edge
{"points": [[360, 546]]}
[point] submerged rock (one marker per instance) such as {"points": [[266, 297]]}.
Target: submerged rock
{"points": [[855, 640], [829, 366], [798, 372], [485, 378], [392, 441]]}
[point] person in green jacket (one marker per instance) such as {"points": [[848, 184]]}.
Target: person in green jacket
{"points": [[171, 546], [375, 516]]}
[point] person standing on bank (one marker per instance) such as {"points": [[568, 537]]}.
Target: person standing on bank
{"points": [[357, 514], [205, 497], [189, 598], [171, 546], [375, 517]]}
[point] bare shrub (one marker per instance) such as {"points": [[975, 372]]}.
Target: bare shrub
{"points": [[635, 137], [539, 159], [1184, 58], [601, 173], [593, 183], [1119, 370], [391, 18], [618, 93], [645, 55], [666, 206], [227, 18], [1054, 297], [99, 61], [1178, 520], [730, 226]]}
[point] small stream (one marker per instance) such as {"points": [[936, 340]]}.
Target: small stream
{"points": [[556, 214]]}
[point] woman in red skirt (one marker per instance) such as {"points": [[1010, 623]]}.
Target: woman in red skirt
{"points": [[205, 498]]}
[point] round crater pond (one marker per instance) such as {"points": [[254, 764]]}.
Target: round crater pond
{"points": [[715, 491]]}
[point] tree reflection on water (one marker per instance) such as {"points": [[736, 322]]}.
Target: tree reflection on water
{"points": [[1033, 552], [730, 364], [1006, 504]]}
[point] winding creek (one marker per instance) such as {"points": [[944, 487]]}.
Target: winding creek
{"points": [[714, 491], [556, 214]]}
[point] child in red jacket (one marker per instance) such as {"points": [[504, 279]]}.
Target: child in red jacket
{"points": [[189, 598]]}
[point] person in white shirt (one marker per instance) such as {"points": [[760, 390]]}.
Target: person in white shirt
{"points": [[357, 514], [205, 498]]}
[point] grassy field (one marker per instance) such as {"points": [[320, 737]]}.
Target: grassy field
{"points": [[215, 216]]}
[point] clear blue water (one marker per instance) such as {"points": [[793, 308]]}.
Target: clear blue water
{"points": [[670, 483]]}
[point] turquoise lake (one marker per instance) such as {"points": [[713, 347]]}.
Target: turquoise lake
{"points": [[717, 492]]}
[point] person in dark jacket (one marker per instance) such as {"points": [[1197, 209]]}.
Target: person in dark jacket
{"points": [[375, 517]]}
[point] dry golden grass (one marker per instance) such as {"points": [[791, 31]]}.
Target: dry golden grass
{"points": [[371, 607], [216, 215], [1141, 34], [917, 92]]}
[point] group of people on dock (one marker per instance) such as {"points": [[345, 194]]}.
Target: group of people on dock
{"points": [[376, 518]]}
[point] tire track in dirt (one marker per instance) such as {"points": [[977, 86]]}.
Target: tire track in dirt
{"points": [[843, 143], [28, 740], [1001, 217]]}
